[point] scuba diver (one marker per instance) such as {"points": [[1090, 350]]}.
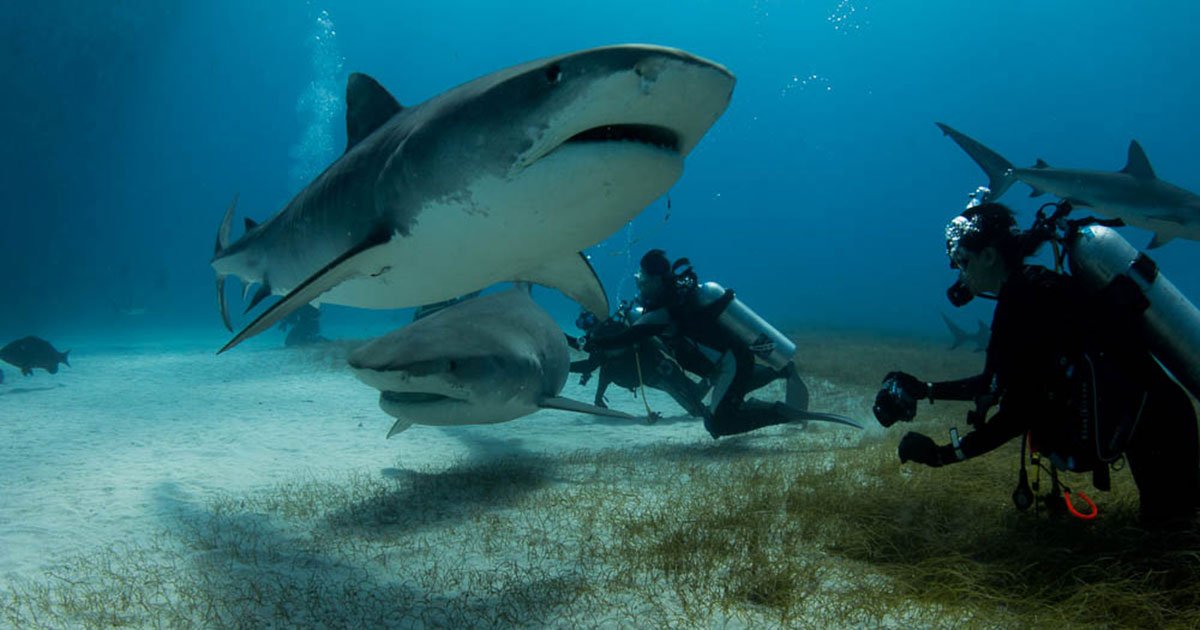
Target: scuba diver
{"points": [[1066, 365], [713, 335], [646, 363], [305, 324]]}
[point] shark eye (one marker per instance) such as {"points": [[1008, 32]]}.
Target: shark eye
{"points": [[453, 365], [554, 74]]}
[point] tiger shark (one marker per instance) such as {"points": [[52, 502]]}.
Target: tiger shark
{"points": [[484, 360], [1133, 194], [504, 178]]}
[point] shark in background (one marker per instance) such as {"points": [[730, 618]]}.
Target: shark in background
{"points": [[483, 360], [1133, 194], [505, 178], [980, 338]]}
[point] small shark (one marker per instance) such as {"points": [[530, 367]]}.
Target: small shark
{"points": [[1133, 194], [505, 178], [489, 359], [981, 337]]}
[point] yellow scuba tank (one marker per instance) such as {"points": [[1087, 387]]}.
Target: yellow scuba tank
{"points": [[769, 345], [1100, 256]]}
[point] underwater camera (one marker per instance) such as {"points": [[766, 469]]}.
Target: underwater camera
{"points": [[894, 402]]}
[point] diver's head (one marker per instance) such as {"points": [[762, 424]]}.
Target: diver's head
{"points": [[986, 246], [653, 276], [586, 321]]}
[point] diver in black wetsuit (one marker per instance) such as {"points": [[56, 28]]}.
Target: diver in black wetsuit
{"points": [[305, 324], [688, 321], [1066, 366], [647, 362]]}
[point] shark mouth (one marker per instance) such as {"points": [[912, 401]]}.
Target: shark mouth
{"points": [[652, 135], [414, 398]]}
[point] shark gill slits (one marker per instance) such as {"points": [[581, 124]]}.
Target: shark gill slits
{"points": [[553, 74], [646, 134]]}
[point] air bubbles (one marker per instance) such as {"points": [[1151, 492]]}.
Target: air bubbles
{"points": [[806, 82], [319, 105], [847, 17]]}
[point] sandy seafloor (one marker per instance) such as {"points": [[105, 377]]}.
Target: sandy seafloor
{"points": [[131, 439]]}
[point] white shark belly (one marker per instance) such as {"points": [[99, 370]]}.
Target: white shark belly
{"points": [[503, 227]]}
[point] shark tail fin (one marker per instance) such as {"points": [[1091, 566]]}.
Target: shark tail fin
{"points": [[62, 358], [221, 245], [998, 169], [960, 335]]}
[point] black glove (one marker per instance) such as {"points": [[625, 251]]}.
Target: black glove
{"points": [[897, 398], [920, 448]]}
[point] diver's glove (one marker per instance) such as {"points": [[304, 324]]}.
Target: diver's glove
{"points": [[897, 398], [920, 448]]}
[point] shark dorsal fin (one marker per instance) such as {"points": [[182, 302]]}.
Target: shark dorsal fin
{"points": [[250, 224], [1138, 164], [368, 106], [1041, 164]]}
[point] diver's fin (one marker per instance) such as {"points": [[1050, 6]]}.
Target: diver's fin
{"points": [[399, 426], [341, 269], [1159, 240], [808, 416], [574, 276], [999, 170], [264, 290], [368, 106], [221, 244], [1138, 164], [566, 404]]}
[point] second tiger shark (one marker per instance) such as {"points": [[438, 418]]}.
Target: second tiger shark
{"points": [[1133, 194], [504, 178]]}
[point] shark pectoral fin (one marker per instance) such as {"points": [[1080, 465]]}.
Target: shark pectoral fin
{"points": [[566, 404], [574, 276], [344, 267], [1159, 240], [399, 426]]}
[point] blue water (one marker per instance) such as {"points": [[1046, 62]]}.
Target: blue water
{"points": [[820, 195]]}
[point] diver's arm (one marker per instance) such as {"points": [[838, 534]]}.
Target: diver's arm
{"points": [[648, 325], [962, 389], [1003, 426]]}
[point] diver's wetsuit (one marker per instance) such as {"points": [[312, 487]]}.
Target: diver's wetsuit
{"points": [[1042, 320], [684, 320], [650, 364]]}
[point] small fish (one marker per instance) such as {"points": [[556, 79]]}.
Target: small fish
{"points": [[31, 352]]}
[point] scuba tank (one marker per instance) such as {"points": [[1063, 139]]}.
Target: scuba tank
{"points": [[1101, 257], [769, 345]]}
